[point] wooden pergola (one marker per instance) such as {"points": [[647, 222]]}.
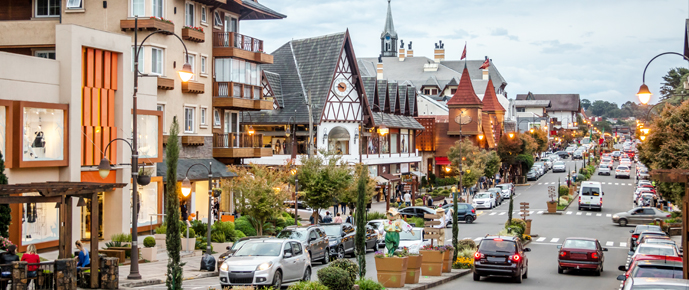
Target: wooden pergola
{"points": [[62, 193]]}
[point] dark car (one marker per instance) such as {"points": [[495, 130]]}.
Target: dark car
{"points": [[616, 155], [314, 239], [377, 226], [371, 238], [562, 154], [465, 212], [235, 246], [580, 253], [341, 236], [637, 231], [501, 256], [649, 233], [532, 175], [416, 211]]}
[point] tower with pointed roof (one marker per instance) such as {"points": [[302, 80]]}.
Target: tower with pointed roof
{"points": [[388, 39], [493, 115], [465, 102]]}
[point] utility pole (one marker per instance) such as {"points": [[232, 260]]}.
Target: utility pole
{"points": [[310, 143]]}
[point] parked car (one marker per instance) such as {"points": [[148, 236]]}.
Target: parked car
{"points": [[651, 266], [501, 256], [267, 262], [413, 241], [563, 154], [643, 174], [532, 174], [506, 186], [498, 194], [416, 211], [484, 200], [235, 246], [637, 231], [377, 225], [541, 169], [559, 166], [650, 234], [639, 215], [341, 239], [591, 195], [580, 253], [314, 239], [655, 249], [465, 212], [548, 162], [542, 164], [577, 155], [622, 171], [371, 238], [603, 169]]}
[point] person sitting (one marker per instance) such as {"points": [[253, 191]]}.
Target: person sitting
{"points": [[350, 219], [84, 258], [7, 258], [32, 258], [337, 219]]}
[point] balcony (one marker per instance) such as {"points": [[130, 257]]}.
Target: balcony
{"points": [[192, 87], [239, 145], [166, 84], [193, 35], [232, 44], [239, 96], [152, 24]]}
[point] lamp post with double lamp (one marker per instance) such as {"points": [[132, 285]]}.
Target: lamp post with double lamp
{"points": [[104, 167], [186, 189]]}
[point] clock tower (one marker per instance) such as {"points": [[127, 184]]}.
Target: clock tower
{"points": [[388, 39]]}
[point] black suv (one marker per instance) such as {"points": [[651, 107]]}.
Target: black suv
{"points": [[501, 256], [563, 154], [341, 237], [313, 237], [416, 211], [465, 212]]}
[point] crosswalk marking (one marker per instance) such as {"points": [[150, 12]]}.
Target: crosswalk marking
{"points": [[531, 212], [629, 184], [539, 212], [616, 183], [599, 214], [608, 215], [554, 240], [588, 213], [502, 213], [569, 212], [540, 183], [602, 183], [623, 244], [493, 213], [540, 239], [610, 244], [579, 213]]}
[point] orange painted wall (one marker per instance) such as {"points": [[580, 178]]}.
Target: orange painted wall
{"points": [[99, 83]]}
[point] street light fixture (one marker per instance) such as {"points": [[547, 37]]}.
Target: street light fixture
{"points": [[186, 73], [511, 135]]}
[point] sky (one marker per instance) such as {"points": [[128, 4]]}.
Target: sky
{"points": [[596, 48]]}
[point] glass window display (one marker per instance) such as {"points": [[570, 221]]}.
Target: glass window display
{"points": [[148, 204], [148, 136], [43, 134], [39, 222], [338, 141], [404, 143]]}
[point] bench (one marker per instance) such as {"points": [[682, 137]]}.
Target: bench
{"points": [[120, 254]]}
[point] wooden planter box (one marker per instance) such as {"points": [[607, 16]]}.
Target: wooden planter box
{"points": [[193, 35], [413, 269], [527, 231], [192, 87], [160, 240], [191, 244], [148, 24], [431, 263], [392, 272], [447, 261], [149, 254], [552, 206]]}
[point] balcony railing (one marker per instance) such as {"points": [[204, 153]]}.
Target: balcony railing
{"points": [[237, 90], [237, 140], [236, 40]]}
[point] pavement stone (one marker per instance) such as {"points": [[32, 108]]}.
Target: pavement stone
{"points": [[427, 282]]}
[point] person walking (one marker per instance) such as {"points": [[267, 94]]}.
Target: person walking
{"points": [[185, 213], [343, 208], [336, 206], [350, 218], [407, 198]]}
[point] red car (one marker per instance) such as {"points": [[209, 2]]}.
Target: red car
{"points": [[652, 266], [580, 254]]}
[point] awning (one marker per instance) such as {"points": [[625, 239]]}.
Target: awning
{"points": [[418, 173], [390, 177], [380, 180], [442, 161], [198, 172]]}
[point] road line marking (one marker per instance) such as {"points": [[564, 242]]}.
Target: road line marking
{"points": [[609, 244], [629, 184], [540, 183], [608, 215], [539, 212], [569, 212], [617, 183], [554, 240], [492, 213], [531, 212], [588, 213], [502, 213], [599, 214], [515, 212], [602, 183], [579, 213], [540, 239], [623, 244]]}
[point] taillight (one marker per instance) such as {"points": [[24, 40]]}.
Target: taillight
{"points": [[515, 257], [478, 255], [473, 210], [635, 236], [594, 255], [563, 254], [497, 239], [667, 216], [580, 199]]}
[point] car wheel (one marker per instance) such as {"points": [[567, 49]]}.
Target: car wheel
{"points": [[326, 257], [518, 278], [623, 222], [597, 273], [307, 274], [340, 253], [526, 274], [277, 280], [560, 270], [477, 277], [469, 219]]}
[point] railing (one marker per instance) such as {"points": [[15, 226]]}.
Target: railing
{"points": [[236, 40], [237, 140], [237, 90], [44, 277]]}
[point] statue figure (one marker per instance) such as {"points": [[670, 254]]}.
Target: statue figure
{"points": [[393, 227]]}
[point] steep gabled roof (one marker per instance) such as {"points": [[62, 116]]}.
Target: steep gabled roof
{"points": [[257, 10], [392, 94], [383, 102], [274, 81], [465, 94], [558, 102], [411, 94], [402, 98], [490, 99], [370, 88]]}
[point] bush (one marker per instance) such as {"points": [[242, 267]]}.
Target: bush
{"points": [[564, 190], [563, 201], [243, 225], [463, 262], [149, 242], [192, 233], [239, 235], [161, 230], [368, 284], [217, 237], [224, 228], [303, 285], [335, 278], [516, 222], [676, 214], [417, 221], [375, 216], [466, 244], [347, 265], [122, 238], [200, 228]]}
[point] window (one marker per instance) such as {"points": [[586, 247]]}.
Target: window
{"points": [[191, 59], [203, 117], [156, 61], [189, 15], [74, 4], [203, 14], [47, 8], [138, 8], [189, 114], [216, 117], [453, 91], [161, 108], [158, 8], [141, 59], [521, 110], [50, 54], [217, 20], [203, 64]]}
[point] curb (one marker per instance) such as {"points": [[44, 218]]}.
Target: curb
{"points": [[442, 281], [570, 203], [160, 281], [525, 184]]}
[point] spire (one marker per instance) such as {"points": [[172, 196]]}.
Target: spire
{"points": [[490, 99], [465, 94], [389, 25]]}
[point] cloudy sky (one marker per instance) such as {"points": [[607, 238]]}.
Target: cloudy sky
{"points": [[597, 48]]}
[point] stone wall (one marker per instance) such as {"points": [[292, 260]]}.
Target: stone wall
{"points": [[204, 151]]}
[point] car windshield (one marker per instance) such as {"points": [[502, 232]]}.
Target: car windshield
{"points": [[292, 234], [656, 251], [375, 225], [238, 245], [259, 249], [590, 191], [622, 168], [657, 271], [333, 230], [603, 167], [483, 195], [497, 246], [560, 163], [407, 236], [494, 189], [580, 244]]}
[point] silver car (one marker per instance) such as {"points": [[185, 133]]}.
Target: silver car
{"points": [[559, 166], [639, 216], [267, 262]]}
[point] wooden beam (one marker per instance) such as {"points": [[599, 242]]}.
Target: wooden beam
{"points": [[67, 237], [95, 263], [28, 199], [61, 245]]}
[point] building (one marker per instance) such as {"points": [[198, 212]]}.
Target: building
{"points": [[79, 56], [563, 110], [530, 114]]}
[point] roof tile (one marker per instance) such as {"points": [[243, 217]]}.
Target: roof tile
{"points": [[465, 94], [490, 99]]}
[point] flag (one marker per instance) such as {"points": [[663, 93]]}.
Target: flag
{"points": [[485, 64], [464, 53]]}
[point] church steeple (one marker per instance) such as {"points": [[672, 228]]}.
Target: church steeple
{"points": [[388, 39]]}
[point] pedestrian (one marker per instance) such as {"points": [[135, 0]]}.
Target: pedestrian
{"points": [[84, 260], [430, 202], [327, 219], [337, 219], [399, 201], [423, 199], [343, 207], [336, 206], [350, 219], [216, 209], [655, 200], [185, 213], [32, 258], [407, 198], [312, 218], [444, 202], [7, 258]]}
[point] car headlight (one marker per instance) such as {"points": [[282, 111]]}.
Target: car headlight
{"points": [[332, 243], [264, 266], [224, 267], [615, 216]]}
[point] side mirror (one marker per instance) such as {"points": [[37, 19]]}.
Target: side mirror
{"points": [[622, 268], [559, 246], [630, 253], [344, 234], [621, 278], [527, 249], [287, 255], [312, 239], [605, 249], [602, 193], [228, 248], [631, 231]]}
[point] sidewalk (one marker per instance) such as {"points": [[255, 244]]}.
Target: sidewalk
{"points": [[155, 272]]}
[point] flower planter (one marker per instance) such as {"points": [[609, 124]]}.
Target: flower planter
{"points": [[552, 206], [413, 269], [527, 231], [188, 244], [392, 272], [160, 240], [431, 263], [447, 261], [149, 254], [193, 35], [143, 179]]}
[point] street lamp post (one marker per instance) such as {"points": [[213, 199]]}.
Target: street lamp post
{"points": [[294, 170], [461, 119], [186, 189], [104, 167]]}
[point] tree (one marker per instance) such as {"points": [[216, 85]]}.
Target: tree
{"points": [[508, 148], [5, 210], [321, 177], [173, 240], [363, 197], [672, 81], [350, 196], [604, 109], [260, 192], [585, 103], [529, 145], [541, 138], [492, 165]]}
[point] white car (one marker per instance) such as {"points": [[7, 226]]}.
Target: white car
{"points": [[591, 195], [655, 249], [559, 166], [603, 169], [413, 242], [622, 171], [484, 200], [644, 199]]}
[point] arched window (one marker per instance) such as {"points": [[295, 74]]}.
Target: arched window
{"points": [[338, 141]]}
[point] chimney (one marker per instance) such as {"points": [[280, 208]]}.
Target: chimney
{"points": [[485, 74], [439, 51], [410, 52], [401, 50], [379, 67]]}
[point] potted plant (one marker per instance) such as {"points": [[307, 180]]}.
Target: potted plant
{"points": [[149, 252], [144, 177], [217, 192], [160, 235], [188, 244], [447, 258], [552, 204], [431, 260], [391, 270], [413, 267]]}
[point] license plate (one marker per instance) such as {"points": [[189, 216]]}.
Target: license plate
{"points": [[496, 259], [579, 256]]}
